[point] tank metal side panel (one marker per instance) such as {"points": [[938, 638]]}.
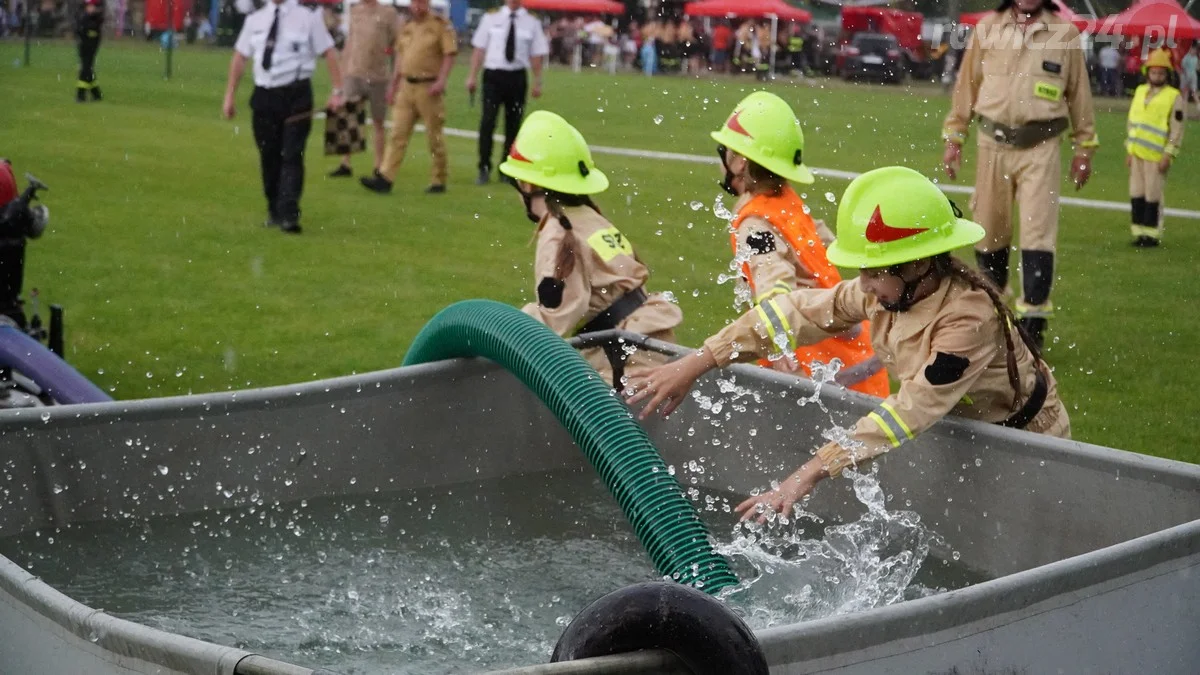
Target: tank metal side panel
{"points": [[1096, 552]]}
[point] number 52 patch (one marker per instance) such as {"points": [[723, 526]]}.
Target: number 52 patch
{"points": [[610, 243], [1048, 91]]}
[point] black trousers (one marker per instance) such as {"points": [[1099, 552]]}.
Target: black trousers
{"points": [[507, 88], [88, 47], [281, 144]]}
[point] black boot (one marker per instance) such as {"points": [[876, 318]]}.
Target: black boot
{"points": [[994, 266], [1037, 276], [80, 95], [1035, 328], [95, 93]]}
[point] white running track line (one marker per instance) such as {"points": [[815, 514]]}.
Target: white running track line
{"points": [[831, 173]]}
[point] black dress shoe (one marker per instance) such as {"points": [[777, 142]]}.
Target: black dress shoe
{"points": [[377, 183], [435, 189], [1145, 242], [290, 227], [341, 172], [484, 177]]}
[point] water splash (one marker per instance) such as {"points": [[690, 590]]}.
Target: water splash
{"points": [[798, 568]]}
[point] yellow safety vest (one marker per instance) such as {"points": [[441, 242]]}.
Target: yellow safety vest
{"points": [[1150, 123]]}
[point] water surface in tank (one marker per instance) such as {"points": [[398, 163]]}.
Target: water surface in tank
{"points": [[469, 577]]}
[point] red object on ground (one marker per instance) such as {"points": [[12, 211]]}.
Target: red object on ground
{"points": [[8, 183], [158, 11], [580, 6], [747, 9]]}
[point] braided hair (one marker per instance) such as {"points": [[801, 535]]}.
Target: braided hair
{"points": [[568, 252], [949, 266]]}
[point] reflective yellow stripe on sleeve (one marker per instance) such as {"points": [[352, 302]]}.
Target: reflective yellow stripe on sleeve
{"points": [[891, 424], [776, 325]]}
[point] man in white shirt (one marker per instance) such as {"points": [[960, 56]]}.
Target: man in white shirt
{"points": [[507, 42], [1110, 64], [283, 40]]}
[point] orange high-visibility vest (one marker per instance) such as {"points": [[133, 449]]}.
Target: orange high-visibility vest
{"points": [[787, 214]]}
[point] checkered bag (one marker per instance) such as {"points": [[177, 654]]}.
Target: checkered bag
{"points": [[343, 128]]}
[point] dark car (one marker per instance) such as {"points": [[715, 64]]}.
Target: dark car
{"points": [[873, 55]]}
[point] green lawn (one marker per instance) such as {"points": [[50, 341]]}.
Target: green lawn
{"points": [[172, 286]]}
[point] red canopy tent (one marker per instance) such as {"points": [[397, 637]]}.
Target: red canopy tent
{"points": [[1154, 20], [972, 18], [748, 9], [906, 26], [578, 6]]}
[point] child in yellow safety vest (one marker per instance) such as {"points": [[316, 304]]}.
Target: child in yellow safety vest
{"points": [[941, 328], [587, 276], [1155, 132], [779, 245]]}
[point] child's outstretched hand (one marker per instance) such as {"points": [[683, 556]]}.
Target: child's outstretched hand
{"points": [[780, 500], [666, 385]]}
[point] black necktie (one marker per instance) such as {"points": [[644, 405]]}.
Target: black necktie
{"points": [[510, 45], [270, 49]]}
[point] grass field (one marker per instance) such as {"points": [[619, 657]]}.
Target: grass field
{"points": [[172, 286]]}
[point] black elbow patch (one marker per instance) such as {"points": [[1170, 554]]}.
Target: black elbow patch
{"points": [[761, 242], [946, 368], [550, 292], [1178, 115]]}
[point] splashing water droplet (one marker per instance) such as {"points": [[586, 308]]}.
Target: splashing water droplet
{"points": [[696, 206], [658, 119], [163, 470]]}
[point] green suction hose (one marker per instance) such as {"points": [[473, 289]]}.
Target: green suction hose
{"points": [[663, 519]]}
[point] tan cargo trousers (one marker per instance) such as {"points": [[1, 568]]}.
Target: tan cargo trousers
{"points": [[414, 101], [1030, 177]]}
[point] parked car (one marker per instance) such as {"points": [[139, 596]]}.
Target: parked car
{"points": [[873, 55]]}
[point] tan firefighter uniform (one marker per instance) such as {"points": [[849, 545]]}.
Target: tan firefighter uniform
{"points": [[1154, 130], [420, 49], [948, 352], [606, 271], [1024, 91], [373, 29]]}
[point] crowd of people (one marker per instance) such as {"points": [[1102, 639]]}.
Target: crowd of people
{"points": [[683, 45]]}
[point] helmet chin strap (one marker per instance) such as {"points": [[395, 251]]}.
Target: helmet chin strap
{"points": [[528, 198], [908, 293], [727, 182]]}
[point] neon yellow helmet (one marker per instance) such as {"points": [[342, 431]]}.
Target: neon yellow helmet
{"points": [[550, 153], [764, 129], [896, 215]]}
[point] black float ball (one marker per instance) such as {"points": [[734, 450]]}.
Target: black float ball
{"points": [[705, 634]]}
